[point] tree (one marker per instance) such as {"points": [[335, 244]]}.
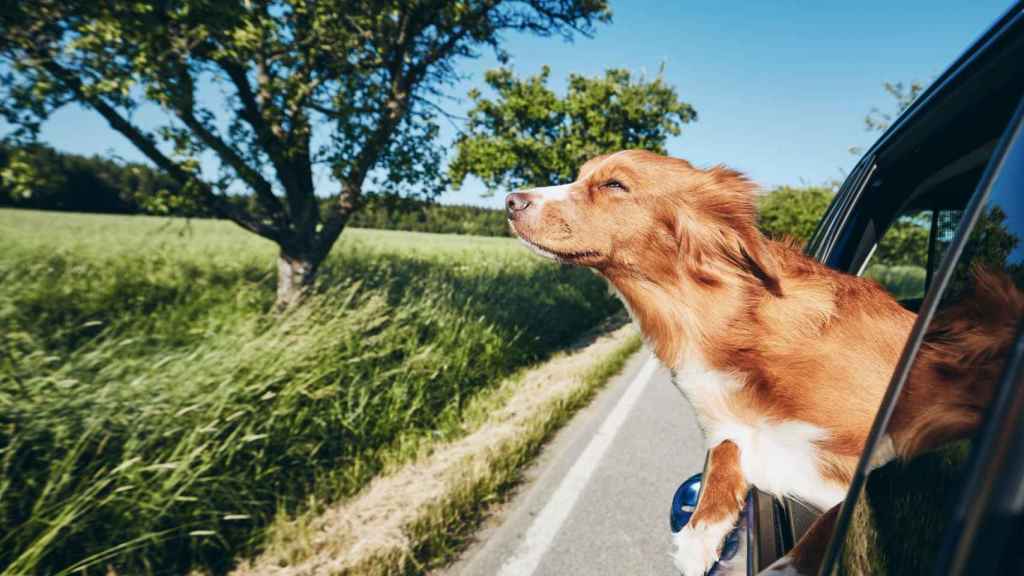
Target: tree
{"points": [[793, 212], [528, 136], [905, 242], [348, 85], [878, 121], [29, 174]]}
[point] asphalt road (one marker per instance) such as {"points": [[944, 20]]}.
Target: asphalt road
{"points": [[597, 500]]}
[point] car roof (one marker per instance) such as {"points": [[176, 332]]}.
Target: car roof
{"points": [[1003, 39]]}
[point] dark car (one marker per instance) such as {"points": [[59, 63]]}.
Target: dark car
{"points": [[941, 194]]}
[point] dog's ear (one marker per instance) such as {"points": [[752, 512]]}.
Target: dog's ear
{"points": [[727, 197], [755, 258], [702, 250]]}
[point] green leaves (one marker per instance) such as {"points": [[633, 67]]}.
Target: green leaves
{"points": [[23, 175], [904, 94], [793, 212], [529, 136]]}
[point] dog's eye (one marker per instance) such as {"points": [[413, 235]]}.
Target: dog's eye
{"points": [[615, 185]]}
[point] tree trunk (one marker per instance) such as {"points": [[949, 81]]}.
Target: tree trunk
{"points": [[309, 242], [295, 274]]}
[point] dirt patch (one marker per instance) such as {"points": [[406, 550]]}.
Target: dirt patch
{"points": [[374, 526]]}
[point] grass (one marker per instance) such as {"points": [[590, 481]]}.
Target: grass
{"points": [[421, 516], [903, 282], [155, 417]]}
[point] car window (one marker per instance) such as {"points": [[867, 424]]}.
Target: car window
{"points": [[904, 260], [900, 514]]}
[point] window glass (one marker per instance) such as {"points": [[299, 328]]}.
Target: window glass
{"points": [[901, 511], [900, 260], [905, 259]]}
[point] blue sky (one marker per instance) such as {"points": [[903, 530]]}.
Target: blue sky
{"points": [[781, 88]]}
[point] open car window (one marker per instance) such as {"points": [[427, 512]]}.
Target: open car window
{"points": [[898, 513], [912, 211]]}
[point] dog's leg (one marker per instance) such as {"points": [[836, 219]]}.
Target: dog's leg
{"points": [[805, 558], [722, 493]]}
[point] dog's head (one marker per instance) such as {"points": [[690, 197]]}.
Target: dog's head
{"points": [[641, 215]]}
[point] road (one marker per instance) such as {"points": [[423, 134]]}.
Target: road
{"points": [[597, 500]]}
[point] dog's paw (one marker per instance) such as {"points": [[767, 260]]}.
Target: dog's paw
{"points": [[697, 548]]}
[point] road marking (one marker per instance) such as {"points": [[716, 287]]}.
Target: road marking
{"points": [[546, 525]]}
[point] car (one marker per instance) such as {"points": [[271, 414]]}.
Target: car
{"points": [[940, 193]]}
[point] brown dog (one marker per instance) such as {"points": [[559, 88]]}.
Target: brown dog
{"points": [[784, 360]]}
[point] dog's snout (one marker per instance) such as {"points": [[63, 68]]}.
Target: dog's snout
{"points": [[515, 203]]}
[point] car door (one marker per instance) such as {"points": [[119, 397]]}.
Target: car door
{"points": [[954, 505]]}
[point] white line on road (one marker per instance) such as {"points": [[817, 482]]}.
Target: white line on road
{"points": [[546, 525]]}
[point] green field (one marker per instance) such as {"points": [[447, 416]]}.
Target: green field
{"points": [[155, 415]]}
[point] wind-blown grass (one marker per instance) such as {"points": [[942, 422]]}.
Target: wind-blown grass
{"points": [[154, 415]]}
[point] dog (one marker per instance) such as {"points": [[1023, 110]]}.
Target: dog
{"points": [[784, 360]]}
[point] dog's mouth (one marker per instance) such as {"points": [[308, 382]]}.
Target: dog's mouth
{"points": [[552, 254]]}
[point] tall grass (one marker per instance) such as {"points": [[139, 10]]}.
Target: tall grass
{"points": [[154, 415]]}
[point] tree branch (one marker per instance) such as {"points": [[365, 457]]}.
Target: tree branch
{"points": [[390, 113], [253, 114], [294, 174], [264, 191], [438, 52], [145, 144]]}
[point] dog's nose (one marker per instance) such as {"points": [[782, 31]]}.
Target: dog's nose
{"points": [[516, 202]]}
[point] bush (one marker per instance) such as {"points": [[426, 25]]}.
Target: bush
{"points": [[793, 212]]}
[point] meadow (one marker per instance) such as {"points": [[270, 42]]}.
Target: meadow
{"points": [[156, 414]]}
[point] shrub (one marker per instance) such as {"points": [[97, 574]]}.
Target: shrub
{"points": [[793, 212]]}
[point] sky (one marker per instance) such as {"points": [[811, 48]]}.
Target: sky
{"points": [[781, 88]]}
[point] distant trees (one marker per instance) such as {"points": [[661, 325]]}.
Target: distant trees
{"points": [[795, 213], [905, 241], [412, 214], [527, 135], [37, 176]]}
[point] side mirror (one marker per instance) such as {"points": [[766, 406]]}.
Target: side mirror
{"points": [[684, 502]]}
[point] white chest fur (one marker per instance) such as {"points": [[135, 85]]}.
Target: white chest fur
{"points": [[778, 457]]}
